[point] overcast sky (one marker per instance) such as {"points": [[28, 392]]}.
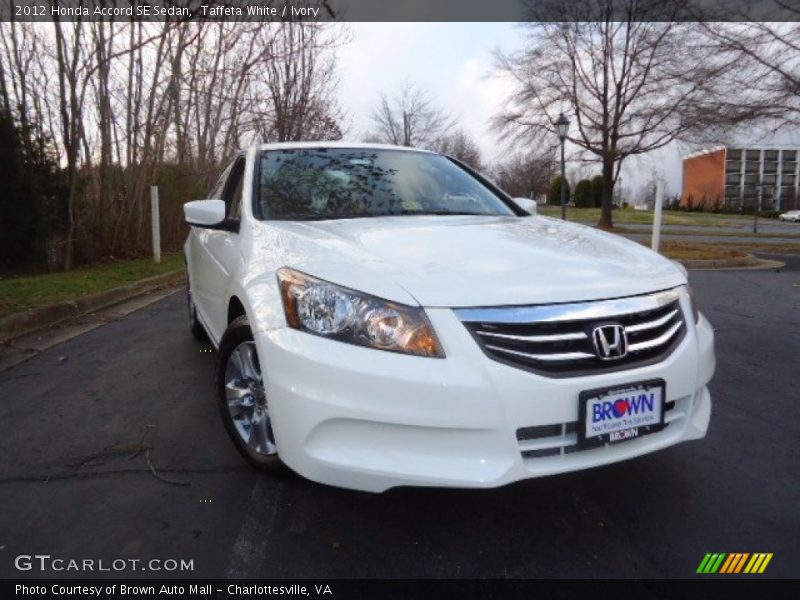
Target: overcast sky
{"points": [[454, 62]]}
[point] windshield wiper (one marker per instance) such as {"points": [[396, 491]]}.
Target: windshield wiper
{"points": [[405, 213], [441, 212], [321, 217]]}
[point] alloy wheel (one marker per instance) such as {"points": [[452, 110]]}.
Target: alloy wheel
{"points": [[246, 399]]}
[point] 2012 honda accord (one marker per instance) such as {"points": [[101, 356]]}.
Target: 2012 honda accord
{"points": [[387, 316]]}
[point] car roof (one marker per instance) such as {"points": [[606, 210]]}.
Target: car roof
{"points": [[353, 145]]}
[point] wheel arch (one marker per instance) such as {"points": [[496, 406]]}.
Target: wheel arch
{"points": [[236, 309]]}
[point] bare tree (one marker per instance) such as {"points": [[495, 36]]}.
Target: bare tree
{"points": [[766, 80], [647, 192], [71, 92], [461, 146], [410, 118], [125, 105], [629, 85], [525, 175], [301, 84]]}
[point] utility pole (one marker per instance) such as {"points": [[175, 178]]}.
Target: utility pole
{"points": [[155, 222], [657, 211]]}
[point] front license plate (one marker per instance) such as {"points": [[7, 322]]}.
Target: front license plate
{"points": [[622, 413]]}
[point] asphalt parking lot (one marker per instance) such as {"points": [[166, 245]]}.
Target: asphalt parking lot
{"points": [[76, 480]]}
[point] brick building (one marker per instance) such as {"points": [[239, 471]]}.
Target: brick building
{"points": [[732, 176]]}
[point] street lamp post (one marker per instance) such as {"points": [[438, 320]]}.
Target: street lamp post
{"points": [[562, 126], [757, 204]]}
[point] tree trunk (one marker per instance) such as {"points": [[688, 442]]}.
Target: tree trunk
{"points": [[606, 221]]}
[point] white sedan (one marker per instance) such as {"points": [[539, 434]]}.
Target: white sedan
{"points": [[792, 215], [386, 316]]}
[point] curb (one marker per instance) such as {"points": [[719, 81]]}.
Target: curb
{"points": [[19, 324], [745, 262]]}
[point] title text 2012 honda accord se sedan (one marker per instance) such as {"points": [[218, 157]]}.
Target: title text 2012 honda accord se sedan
{"points": [[385, 316]]}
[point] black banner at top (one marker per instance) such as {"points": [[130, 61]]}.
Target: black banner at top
{"points": [[401, 10]]}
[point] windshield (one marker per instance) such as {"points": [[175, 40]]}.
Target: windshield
{"points": [[337, 183]]}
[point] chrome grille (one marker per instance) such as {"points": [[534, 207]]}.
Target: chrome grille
{"points": [[556, 340]]}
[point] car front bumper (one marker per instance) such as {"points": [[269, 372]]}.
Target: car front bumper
{"points": [[359, 418]]}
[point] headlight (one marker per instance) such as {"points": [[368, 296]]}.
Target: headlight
{"points": [[338, 313], [693, 302]]}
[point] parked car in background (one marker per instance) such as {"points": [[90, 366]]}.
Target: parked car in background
{"points": [[386, 316], [792, 215]]}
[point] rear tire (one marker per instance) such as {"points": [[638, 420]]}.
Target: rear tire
{"points": [[242, 398]]}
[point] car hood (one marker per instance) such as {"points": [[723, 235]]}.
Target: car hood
{"points": [[461, 261]]}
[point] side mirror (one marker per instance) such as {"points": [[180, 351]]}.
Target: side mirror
{"points": [[526, 204], [205, 213]]}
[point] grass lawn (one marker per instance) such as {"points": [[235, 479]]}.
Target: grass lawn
{"points": [[715, 233], [701, 251], [22, 293], [670, 217], [689, 251]]}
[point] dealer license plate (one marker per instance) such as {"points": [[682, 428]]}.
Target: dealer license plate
{"points": [[612, 415]]}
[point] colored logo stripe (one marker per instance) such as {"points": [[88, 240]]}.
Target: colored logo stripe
{"points": [[758, 563], [703, 563], [734, 563], [721, 562], [711, 563]]}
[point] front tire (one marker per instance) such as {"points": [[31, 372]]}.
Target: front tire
{"points": [[242, 398]]}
